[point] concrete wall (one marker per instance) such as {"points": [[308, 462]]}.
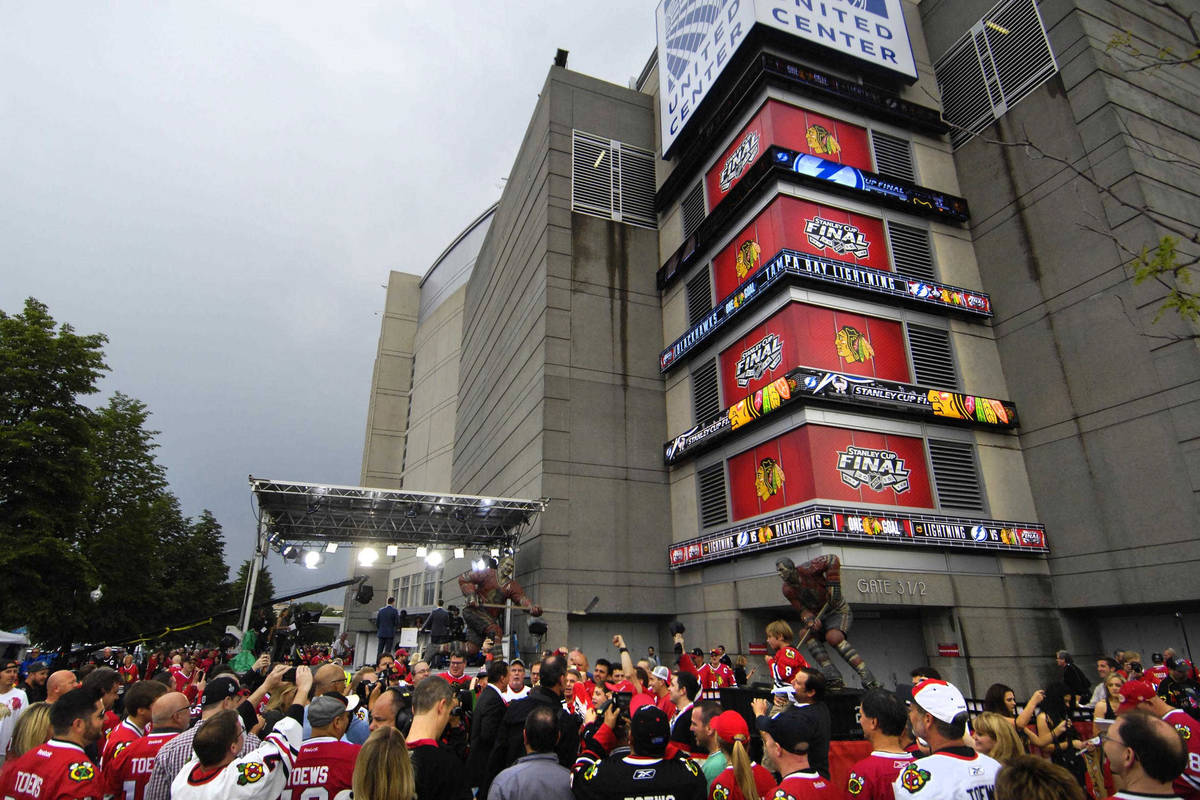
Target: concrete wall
{"points": [[559, 392], [1109, 398], [391, 385]]}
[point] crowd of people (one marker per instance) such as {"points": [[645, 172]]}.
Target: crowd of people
{"points": [[185, 724]]}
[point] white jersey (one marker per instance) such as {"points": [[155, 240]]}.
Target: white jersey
{"points": [[509, 695], [957, 773], [12, 705], [1127, 795], [261, 773]]}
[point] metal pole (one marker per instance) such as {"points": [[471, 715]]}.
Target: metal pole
{"points": [[1183, 630], [508, 630], [260, 549]]}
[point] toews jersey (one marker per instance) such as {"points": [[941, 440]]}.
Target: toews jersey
{"points": [[956, 772], [122, 736], [872, 778], [724, 786], [803, 785], [127, 770], [56, 770], [324, 770], [261, 774], [712, 678], [634, 777], [1187, 785], [784, 664]]}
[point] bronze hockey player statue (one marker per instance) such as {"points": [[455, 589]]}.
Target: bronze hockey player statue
{"points": [[815, 590], [486, 590]]}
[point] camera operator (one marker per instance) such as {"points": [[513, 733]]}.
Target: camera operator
{"points": [[439, 770]]}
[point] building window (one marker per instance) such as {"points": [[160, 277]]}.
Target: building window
{"points": [[706, 399], [932, 357], [956, 475], [699, 296], [893, 156], [433, 581], [713, 506], [612, 180], [414, 589], [693, 209], [402, 594], [911, 251], [998, 62], [395, 588]]}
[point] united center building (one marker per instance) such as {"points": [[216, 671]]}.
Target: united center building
{"points": [[770, 303]]}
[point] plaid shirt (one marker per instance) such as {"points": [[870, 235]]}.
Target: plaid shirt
{"points": [[175, 754]]}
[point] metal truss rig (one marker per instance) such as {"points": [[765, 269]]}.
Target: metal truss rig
{"points": [[308, 513]]}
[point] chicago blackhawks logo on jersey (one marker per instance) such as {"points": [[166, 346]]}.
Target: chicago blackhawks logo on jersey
{"points": [[590, 772], [1184, 731], [854, 784], [81, 771], [691, 766], [768, 478], [719, 792], [251, 772], [117, 750], [914, 778], [747, 257]]}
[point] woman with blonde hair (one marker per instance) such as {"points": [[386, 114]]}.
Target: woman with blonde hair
{"points": [[32, 729], [742, 779], [995, 736], [383, 770]]}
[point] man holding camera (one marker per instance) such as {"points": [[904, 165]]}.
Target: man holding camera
{"points": [[646, 772], [440, 773]]}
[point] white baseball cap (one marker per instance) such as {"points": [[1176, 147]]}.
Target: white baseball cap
{"points": [[939, 698]]}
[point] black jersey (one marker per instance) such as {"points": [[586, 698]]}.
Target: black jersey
{"points": [[635, 778]]}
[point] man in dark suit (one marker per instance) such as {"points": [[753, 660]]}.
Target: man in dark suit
{"points": [[437, 625], [386, 619], [486, 720], [510, 743]]}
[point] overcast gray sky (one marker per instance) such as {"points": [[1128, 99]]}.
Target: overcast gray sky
{"points": [[221, 188]]}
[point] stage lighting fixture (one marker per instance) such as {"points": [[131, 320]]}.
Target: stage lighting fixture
{"points": [[392, 550], [331, 547], [290, 553], [495, 552], [367, 556], [434, 559], [459, 552], [422, 551], [312, 559]]}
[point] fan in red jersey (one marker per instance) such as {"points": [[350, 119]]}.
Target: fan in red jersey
{"points": [[714, 675], [883, 719], [786, 739], [735, 781], [138, 702], [1140, 696], [785, 659], [324, 762], [60, 769], [127, 770]]}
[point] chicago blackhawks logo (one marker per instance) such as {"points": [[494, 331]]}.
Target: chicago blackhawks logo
{"points": [[741, 158], [747, 256], [853, 346], [251, 772], [118, 749], [821, 141], [854, 784], [81, 771], [877, 469], [768, 478], [1184, 731], [914, 778], [766, 354], [719, 792]]}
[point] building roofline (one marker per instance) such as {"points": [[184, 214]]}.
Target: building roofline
{"points": [[472, 226]]}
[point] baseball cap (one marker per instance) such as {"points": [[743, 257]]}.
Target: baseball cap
{"points": [[649, 731], [716, 651], [792, 728], [9, 664], [217, 690], [323, 710], [941, 699], [1179, 664], [1134, 692], [732, 727], [37, 666], [662, 673]]}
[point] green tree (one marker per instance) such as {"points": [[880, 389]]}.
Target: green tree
{"points": [[264, 589], [122, 537], [46, 468], [197, 584]]}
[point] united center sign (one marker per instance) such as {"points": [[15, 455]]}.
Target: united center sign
{"points": [[698, 38]]}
